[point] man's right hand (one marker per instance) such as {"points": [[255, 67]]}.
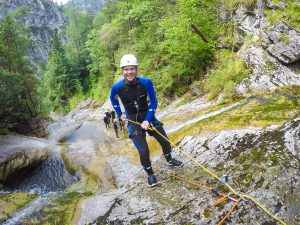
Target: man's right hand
{"points": [[123, 118]]}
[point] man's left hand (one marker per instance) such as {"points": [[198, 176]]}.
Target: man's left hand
{"points": [[145, 125]]}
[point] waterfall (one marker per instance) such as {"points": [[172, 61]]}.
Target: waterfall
{"points": [[50, 176]]}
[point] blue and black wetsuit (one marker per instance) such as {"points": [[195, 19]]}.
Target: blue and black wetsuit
{"points": [[134, 97]]}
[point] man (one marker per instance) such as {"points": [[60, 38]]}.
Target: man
{"points": [[106, 121], [107, 114], [116, 127], [113, 115], [133, 92]]}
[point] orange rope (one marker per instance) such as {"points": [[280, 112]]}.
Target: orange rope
{"points": [[190, 182], [230, 211], [220, 200]]}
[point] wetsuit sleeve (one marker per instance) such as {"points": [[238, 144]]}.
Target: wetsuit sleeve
{"points": [[153, 101], [114, 100]]}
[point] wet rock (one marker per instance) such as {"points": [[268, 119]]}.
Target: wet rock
{"points": [[86, 104], [292, 134], [98, 206], [283, 42], [65, 125], [123, 171], [19, 152], [261, 161]]}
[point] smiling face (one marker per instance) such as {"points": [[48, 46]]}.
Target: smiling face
{"points": [[129, 73]]}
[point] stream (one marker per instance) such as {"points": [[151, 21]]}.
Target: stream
{"points": [[50, 179]]}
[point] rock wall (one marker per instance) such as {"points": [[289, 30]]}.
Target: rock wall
{"points": [[273, 54], [44, 19]]}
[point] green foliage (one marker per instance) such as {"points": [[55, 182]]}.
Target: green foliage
{"points": [[17, 82], [289, 14], [160, 34], [228, 73], [231, 4], [59, 82], [77, 31]]}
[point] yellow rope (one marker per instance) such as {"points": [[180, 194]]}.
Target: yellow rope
{"points": [[263, 208], [212, 174]]}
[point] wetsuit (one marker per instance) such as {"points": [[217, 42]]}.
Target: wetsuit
{"points": [[113, 115], [134, 98], [115, 127]]}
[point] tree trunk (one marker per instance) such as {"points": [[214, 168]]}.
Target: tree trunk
{"points": [[199, 32]]}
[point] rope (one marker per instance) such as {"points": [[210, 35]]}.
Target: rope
{"points": [[263, 208], [190, 182], [222, 199], [242, 196], [230, 211]]}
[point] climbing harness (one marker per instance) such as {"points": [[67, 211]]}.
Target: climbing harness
{"points": [[223, 179]]}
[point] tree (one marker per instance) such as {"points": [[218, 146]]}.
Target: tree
{"points": [[18, 84], [77, 33], [58, 81]]}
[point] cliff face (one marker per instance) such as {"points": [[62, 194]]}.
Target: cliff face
{"points": [[44, 18], [85, 6], [269, 49]]}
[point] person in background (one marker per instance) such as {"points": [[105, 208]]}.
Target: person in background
{"points": [[106, 121], [134, 92], [116, 127], [107, 114], [113, 115]]}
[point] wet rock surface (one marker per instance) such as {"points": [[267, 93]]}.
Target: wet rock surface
{"points": [[263, 161], [18, 152]]}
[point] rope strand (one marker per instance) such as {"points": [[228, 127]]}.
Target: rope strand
{"points": [[242, 196]]}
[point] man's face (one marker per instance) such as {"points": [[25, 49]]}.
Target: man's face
{"points": [[129, 72]]}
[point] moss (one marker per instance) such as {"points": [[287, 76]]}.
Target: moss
{"points": [[246, 167], [284, 39], [59, 211], [263, 110], [207, 212], [87, 184], [231, 4], [289, 14], [226, 36], [68, 163], [229, 71], [10, 203], [186, 99], [269, 67]]}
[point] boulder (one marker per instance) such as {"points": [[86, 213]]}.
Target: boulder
{"points": [[20, 152], [268, 73], [283, 42]]}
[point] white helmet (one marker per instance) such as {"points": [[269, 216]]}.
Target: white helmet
{"points": [[128, 60]]}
